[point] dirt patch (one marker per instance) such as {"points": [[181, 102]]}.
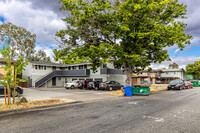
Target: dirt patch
{"points": [[157, 87], [29, 104], [117, 93]]}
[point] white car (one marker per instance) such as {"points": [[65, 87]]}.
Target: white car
{"points": [[72, 85]]}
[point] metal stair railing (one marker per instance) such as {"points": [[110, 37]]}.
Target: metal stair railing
{"points": [[81, 72]]}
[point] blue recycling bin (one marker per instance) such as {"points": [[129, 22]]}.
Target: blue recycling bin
{"points": [[128, 91]]}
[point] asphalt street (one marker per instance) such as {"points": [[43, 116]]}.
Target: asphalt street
{"points": [[163, 112]]}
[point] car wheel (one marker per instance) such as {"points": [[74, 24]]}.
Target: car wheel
{"points": [[12, 94], [180, 88], [96, 88], [72, 87], [110, 88]]}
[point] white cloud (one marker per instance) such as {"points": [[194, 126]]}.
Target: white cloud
{"points": [[181, 61], [44, 23], [177, 51]]}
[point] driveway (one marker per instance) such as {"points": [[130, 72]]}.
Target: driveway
{"points": [[63, 94]]}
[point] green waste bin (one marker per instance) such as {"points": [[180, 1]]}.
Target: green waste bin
{"points": [[195, 83], [140, 90]]}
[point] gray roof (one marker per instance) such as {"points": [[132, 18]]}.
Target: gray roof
{"points": [[173, 70], [57, 64]]}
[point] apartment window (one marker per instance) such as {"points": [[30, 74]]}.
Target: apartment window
{"points": [[36, 67], [104, 65], [59, 78], [74, 67], [74, 79], [69, 68], [2, 64], [85, 66], [45, 67], [41, 67], [81, 67]]}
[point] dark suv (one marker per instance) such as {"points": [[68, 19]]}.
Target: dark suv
{"points": [[176, 85], [83, 83], [93, 85]]}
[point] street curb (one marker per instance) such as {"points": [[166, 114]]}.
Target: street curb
{"points": [[35, 108]]}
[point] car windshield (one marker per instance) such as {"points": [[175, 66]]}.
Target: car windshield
{"points": [[74, 81], [90, 82], [106, 82], [174, 82]]}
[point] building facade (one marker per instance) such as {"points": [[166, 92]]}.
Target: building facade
{"points": [[159, 76], [3, 63], [154, 76], [173, 74], [56, 75]]}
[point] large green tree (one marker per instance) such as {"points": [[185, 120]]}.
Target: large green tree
{"points": [[194, 69], [21, 41], [173, 66], [133, 33], [40, 56]]}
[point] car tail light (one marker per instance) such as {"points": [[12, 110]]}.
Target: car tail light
{"points": [[106, 85]]}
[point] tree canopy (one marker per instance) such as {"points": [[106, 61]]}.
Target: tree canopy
{"points": [[21, 41], [40, 56], [173, 66], [133, 33], [194, 69]]}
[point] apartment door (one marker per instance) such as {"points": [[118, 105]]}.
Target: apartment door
{"points": [[54, 68], [54, 81]]}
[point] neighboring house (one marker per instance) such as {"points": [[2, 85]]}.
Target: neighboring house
{"points": [[172, 74], [3, 63], [159, 76], [153, 76], [42, 74]]}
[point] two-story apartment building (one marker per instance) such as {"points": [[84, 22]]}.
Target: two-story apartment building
{"points": [[42, 74], [172, 74]]}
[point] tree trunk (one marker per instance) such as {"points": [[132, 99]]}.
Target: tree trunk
{"points": [[129, 77], [8, 93], [5, 89], [15, 86]]}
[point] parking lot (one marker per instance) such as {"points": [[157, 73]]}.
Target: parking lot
{"points": [[69, 95]]}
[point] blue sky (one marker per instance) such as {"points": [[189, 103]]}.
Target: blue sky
{"points": [[44, 19]]}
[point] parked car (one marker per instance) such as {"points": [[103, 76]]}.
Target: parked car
{"points": [[83, 83], [176, 85], [110, 85], [188, 84], [93, 85], [72, 85], [19, 90]]}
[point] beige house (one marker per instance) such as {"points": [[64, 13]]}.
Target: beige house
{"points": [[154, 76], [3, 63]]}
